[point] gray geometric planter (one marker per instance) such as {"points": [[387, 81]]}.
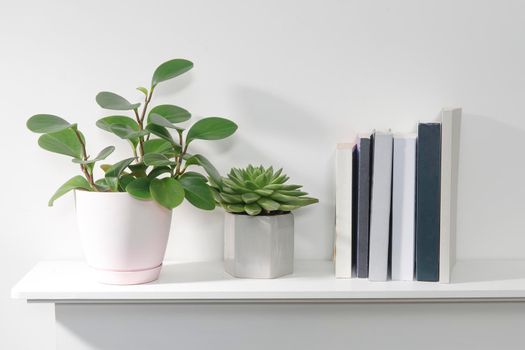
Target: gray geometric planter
{"points": [[258, 246]]}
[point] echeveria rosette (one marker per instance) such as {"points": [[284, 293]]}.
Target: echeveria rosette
{"points": [[258, 191]]}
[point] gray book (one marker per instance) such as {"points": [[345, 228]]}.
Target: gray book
{"points": [[380, 204], [362, 204]]}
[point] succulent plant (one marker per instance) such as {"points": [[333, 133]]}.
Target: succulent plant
{"points": [[258, 191]]}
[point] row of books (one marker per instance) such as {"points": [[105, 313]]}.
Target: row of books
{"points": [[396, 198]]}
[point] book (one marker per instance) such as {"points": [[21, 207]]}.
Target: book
{"points": [[428, 197], [403, 207], [343, 211], [380, 202], [361, 204], [450, 130]]}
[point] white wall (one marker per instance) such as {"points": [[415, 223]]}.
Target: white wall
{"points": [[296, 76]]}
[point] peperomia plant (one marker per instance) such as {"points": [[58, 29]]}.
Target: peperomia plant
{"points": [[158, 168], [258, 191]]}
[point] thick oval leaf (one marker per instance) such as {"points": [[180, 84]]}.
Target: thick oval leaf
{"points": [[212, 128], [174, 114], [110, 100], [101, 156], [252, 209], [63, 142], [116, 169], [168, 192], [124, 181], [71, 184], [157, 146], [139, 188], [170, 69], [197, 192], [143, 90], [127, 133], [160, 132], [102, 185], [161, 121], [159, 171], [195, 174], [138, 170], [212, 172], [105, 123], [46, 123], [157, 159]]}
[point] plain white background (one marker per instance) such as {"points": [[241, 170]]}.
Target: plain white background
{"points": [[296, 76]]}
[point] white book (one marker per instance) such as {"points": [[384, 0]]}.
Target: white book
{"points": [[450, 130], [343, 211], [380, 206], [403, 207]]}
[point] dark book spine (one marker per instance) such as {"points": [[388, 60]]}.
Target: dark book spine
{"points": [[363, 205], [428, 192]]}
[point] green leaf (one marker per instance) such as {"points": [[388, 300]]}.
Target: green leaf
{"points": [[71, 184], [110, 100], [161, 121], [195, 174], [174, 114], [234, 208], [157, 159], [101, 156], [116, 169], [170, 69], [143, 90], [63, 142], [107, 122], [127, 133], [197, 192], [252, 209], [113, 173], [46, 123], [161, 132], [168, 192], [231, 198], [139, 188], [124, 181], [268, 204], [138, 170], [157, 146], [250, 197], [156, 171], [102, 185], [213, 173], [212, 128]]}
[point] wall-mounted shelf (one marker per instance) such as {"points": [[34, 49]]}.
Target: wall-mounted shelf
{"points": [[69, 281]]}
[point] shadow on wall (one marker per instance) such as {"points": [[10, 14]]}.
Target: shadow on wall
{"points": [[491, 189], [280, 138]]}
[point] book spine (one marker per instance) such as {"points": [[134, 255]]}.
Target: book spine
{"points": [[343, 211], [450, 130], [403, 208], [428, 188], [380, 207], [363, 205]]}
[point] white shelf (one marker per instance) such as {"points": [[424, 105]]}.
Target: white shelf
{"points": [[71, 281]]}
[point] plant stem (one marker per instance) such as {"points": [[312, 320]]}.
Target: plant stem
{"points": [[83, 167], [183, 152], [141, 139]]}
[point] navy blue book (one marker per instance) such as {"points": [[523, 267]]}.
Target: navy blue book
{"points": [[362, 204], [428, 192]]}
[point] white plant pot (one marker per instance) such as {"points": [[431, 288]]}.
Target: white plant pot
{"points": [[258, 246], [124, 239]]}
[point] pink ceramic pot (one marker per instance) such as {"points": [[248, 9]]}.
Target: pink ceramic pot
{"points": [[124, 239]]}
